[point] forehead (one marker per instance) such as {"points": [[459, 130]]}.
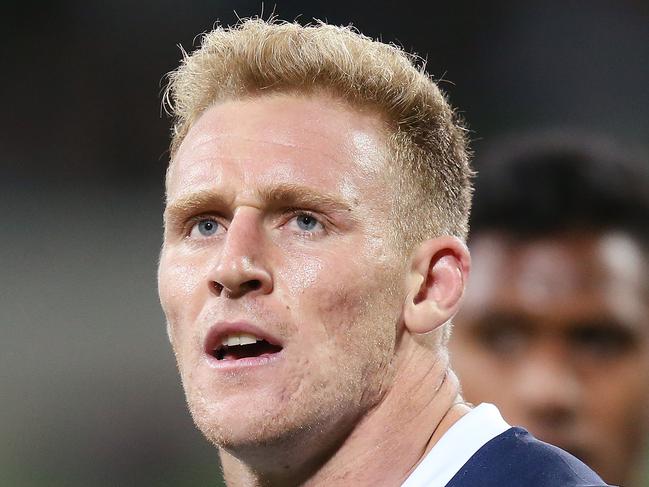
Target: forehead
{"points": [[567, 274], [317, 141]]}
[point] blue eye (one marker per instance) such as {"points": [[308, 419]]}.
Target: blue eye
{"points": [[306, 222], [206, 227]]}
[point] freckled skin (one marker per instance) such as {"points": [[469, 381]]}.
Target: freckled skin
{"points": [[335, 311], [517, 342]]}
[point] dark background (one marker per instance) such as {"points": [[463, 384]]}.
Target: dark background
{"points": [[89, 391]]}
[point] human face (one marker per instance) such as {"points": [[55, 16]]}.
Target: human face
{"points": [[555, 332], [275, 227]]}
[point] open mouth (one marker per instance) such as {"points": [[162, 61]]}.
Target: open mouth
{"points": [[238, 346]]}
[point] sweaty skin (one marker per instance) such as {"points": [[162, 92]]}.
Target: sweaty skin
{"points": [[559, 340], [277, 216]]}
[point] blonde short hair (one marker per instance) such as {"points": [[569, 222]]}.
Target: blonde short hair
{"points": [[426, 142]]}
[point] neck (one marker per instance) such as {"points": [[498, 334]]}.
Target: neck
{"points": [[387, 444]]}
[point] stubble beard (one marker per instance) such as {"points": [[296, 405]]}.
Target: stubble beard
{"points": [[310, 412]]}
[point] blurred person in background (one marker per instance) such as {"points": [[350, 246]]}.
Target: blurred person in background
{"points": [[555, 324]]}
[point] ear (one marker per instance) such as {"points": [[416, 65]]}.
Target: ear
{"points": [[435, 284]]}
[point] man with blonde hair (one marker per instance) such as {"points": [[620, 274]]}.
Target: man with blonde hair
{"points": [[317, 203]]}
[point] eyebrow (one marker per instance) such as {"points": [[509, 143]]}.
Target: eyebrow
{"points": [[199, 201], [288, 194], [281, 195]]}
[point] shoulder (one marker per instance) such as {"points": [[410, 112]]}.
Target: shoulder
{"points": [[516, 458]]}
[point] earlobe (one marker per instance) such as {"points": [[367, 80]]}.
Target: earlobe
{"points": [[436, 283]]}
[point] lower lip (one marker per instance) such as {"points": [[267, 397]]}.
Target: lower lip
{"points": [[243, 363]]}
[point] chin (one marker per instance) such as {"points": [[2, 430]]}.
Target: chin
{"points": [[252, 441], [234, 429], [295, 430]]}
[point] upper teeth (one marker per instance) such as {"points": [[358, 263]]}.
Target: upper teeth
{"points": [[239, 339]]}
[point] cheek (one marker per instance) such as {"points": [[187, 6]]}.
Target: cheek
{"points": [[311, 286], [616, 407], [339, 308], [619, 394], [333, 289], [358, 318], [179, 284], [299, 273]]}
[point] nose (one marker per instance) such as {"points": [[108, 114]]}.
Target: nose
{"points": [[240, 269], [548, 390]]}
